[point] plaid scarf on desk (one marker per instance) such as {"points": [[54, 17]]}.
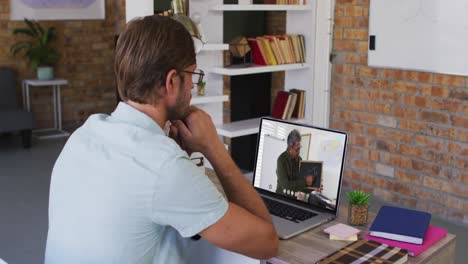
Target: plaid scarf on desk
{"points": [[365, 251]]}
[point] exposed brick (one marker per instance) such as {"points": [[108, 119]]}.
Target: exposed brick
{"points": [[368, 71], [464, 177], [458, 148], [357, 11], [355, 34], [426, 167], [397, 160], [345, 45], [459, 121], [387, 121], [402, 175], [386, 145], [415, 101], [461, 190], [434, 117], [339, 11], [385, 170], [461, 163], [437, 91], [359, 140], [443, 104], [436, 184], [351, 22], [429, 142], [411, 150], [345, 69], [404, 87], [421, 126], [363, 165], [405, 112], [379, 84], [354, 127], [449, 80]]}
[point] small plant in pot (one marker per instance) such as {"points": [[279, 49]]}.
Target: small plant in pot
{"points": [[358, 207], [37, 48]]}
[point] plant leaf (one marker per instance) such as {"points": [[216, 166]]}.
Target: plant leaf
{"points": [[19, 46], [24, 31], [32, 27]]}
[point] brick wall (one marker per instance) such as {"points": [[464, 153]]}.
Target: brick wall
{"points": [[86, 49], [408, 130]]}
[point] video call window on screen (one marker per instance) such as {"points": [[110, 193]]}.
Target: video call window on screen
{"points": [[308, 168]]}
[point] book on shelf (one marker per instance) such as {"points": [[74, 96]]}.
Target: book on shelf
{"points": [[289, 105], [280, 104], [433, 235], [400, 224], [274, 50], [298, 111], [366, 251], [257, 55]]}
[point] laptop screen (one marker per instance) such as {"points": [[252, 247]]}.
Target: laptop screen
{"points": [[300, 162]]}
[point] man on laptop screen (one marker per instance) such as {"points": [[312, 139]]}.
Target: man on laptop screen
{"points": [[300, 165]]}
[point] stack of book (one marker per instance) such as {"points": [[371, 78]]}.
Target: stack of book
{"points": [[342, 232], [274, 50], [289, 105], [405, 228]]}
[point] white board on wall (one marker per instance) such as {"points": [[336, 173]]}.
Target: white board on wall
{"points": [[425, 35]]}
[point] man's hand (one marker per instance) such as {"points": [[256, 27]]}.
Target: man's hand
{"points": [[196, 133], [317, 189]]}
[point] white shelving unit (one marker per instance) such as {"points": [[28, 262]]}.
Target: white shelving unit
{"points": [[239, 128], [209, 97], [243, 128], [261, 8], [258, 69], [214, 47], [312, 20]]}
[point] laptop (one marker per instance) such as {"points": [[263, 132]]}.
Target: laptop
{"points": [[300, 192]]}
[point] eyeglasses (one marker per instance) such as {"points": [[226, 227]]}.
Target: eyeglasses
{"points": [[197, 76]]}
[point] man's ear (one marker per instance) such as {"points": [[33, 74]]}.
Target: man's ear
{"points": [[171, 81]]}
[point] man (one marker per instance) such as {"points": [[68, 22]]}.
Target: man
{"points": [[287, 169], [124, 192], [287, 166]]}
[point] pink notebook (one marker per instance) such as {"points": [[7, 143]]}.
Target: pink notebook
{"points": [[433, 234]]}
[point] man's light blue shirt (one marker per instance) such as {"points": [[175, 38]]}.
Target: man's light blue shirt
{"points": [[123, 192]]}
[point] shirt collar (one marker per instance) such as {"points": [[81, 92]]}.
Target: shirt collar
{"points": [[130, 115]]}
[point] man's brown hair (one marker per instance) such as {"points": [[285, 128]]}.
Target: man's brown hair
{"points": [[146, 51]]}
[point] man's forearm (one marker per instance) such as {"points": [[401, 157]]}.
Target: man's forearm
{"points": [[236, 187]]}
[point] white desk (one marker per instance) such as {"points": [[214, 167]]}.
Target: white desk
{"points": [[56, 131]]}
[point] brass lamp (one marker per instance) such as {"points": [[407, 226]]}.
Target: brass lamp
{"points": [[179, 14]]}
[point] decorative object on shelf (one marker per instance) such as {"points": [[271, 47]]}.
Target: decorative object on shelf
{"points": [[201, 88], [358, 207], [196, 18], [239, 49], [179, 13], [38, 48]]}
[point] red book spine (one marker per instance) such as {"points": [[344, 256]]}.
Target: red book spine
{"points": [[280, 104], [256, 53]]}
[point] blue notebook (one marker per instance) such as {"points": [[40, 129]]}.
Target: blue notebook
{"points": [[401, 224]]}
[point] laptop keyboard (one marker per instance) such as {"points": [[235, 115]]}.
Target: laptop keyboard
{"points": [[286, 211]]}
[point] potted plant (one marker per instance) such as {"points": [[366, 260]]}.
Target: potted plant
{"points": [[201, 88], [37, 48], [358, 207]]}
